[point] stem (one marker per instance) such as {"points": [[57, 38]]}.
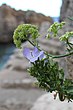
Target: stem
{"points": [[69, 44], [54, 56], [60, 56], [31, 42]]}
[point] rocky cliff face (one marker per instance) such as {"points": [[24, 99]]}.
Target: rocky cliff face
{"points": [[10, 19], [64, 9], [67, 11]]}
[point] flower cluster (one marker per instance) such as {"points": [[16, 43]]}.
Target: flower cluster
{"points": [[48, 73], [23, 32]]}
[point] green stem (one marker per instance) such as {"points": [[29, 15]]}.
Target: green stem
{"points": [[70, 43], [60, 56], [31, 42], [54, 56]]}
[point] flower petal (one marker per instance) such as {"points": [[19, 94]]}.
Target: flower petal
{"points": [[41, 55], [34, 55], [27, 53], [34, 59], [35, 51]]}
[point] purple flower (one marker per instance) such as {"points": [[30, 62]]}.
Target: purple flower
{"points": [[33, 55]]}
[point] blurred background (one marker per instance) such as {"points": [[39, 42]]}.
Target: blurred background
{"points": [[9, 7], [17, 88]]}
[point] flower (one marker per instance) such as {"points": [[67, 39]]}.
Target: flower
{"points": [[33, 55]]}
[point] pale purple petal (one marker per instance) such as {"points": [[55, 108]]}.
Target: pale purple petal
{"points": [[34, 55], [27, 53], [35, 51], [41, 55], [33, 59]]}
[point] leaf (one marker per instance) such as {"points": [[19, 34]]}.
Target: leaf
{"points": [[70, 89], [70, 18]]}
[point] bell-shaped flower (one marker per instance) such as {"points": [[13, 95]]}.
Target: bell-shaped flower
{"points": [[33, 55]]}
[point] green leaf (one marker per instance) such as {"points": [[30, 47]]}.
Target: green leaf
{"points": [[71, 18]]}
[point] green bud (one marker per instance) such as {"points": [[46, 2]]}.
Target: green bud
{"points": [[23, 32], [54, 28], [66, 36]]}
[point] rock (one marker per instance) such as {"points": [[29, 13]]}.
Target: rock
{"points": [[64, 9], [8, 22], [36, 18], [17, 88], [10, 19], [18, 99], [69, 61], [14, 79], [67, 11], [47, 102]]}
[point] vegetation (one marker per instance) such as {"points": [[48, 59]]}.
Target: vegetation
{"points": [[48, 73]]}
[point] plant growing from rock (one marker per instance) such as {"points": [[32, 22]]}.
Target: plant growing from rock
{"points": [[47, 71]]}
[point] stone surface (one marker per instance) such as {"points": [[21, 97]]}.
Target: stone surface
{"points": [[10, 19], [18, 99], [64, 9], [47, 102], [36, 18], [69, 61], [67, 11]]}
